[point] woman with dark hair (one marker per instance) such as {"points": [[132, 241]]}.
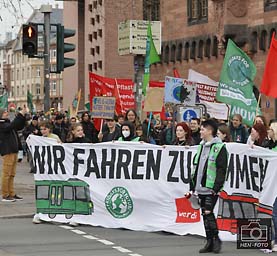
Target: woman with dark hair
{"points": [[183, 135], [141, 132], [128, 132], [89, 129], [223, 132], [132, 116], [258, 135]]}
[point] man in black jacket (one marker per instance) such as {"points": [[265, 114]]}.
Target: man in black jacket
{"points": [[9, 145]]}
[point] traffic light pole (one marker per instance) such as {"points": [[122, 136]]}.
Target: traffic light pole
{"points": [[46, 9]]}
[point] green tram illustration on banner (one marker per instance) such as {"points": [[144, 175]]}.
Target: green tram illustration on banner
{"points": [[63, 197]]}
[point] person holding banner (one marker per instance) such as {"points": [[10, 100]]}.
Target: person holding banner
{"points": [[76, 134], [132, 117], [183, 135], [128, 132], [239, 133], [208, 176]]}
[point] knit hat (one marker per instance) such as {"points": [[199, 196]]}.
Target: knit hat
{"points": [[2, 110]]}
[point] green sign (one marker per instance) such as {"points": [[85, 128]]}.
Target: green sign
{"points": [[119, 203], [236, 83]]}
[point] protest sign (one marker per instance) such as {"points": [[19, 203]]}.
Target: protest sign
{"points": [[103, 107], [141, 186]]}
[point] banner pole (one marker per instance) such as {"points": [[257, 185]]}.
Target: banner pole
{"points": [[258, 103]]}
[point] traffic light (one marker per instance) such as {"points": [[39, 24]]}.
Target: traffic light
{"points": [[63, 47], [30, 40]]}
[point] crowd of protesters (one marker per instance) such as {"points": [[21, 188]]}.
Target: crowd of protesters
{"points": [[127, 127]]}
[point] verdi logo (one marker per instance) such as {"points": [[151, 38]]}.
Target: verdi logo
{"points": [[119, 203]]}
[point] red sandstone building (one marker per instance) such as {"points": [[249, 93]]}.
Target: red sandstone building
{"points": [[194, 35]]}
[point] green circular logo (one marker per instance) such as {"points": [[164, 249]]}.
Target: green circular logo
{"points": [[239, 70], [119, 203]]}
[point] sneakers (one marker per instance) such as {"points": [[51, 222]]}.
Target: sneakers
{"points": [[8, 199], [18, 198], [274, 249], [37, 220]]}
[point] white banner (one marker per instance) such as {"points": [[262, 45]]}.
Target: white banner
{"points": [[139, 186]]}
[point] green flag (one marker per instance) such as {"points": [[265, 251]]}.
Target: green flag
{"points": [[150, 58], [87, 106], [236, 83], [4, 101], [30, 101]]}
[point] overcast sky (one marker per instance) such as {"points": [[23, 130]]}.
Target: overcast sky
{"points": [[13, 13]]}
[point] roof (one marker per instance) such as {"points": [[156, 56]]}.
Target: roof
{"points": [[56, 16]]}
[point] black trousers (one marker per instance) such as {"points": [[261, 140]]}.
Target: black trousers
{"points": [[207, 204]]}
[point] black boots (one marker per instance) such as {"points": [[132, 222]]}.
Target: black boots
{"points": [[217, 245], [208, 247], [212, 245]]}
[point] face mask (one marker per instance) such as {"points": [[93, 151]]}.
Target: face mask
{"points": [[126, 134]]}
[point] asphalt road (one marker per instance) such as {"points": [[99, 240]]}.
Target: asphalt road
{"points": [[22, 237]]}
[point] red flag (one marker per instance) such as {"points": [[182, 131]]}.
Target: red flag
{"points": [[176, 73], [269, 82]]}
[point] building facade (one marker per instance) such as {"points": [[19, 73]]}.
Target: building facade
{"points": [[22, 74], [96, 24], [195, 35]]}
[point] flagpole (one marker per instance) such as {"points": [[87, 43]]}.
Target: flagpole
{"points": [[117, 91], [78, 101], [258, 104]]}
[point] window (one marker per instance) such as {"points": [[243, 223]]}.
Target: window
{"points": [[100, 2], [22, 74], [54, 88], [17, 91], [68, 193], [151, 10], [92, 51], [40, 41], [92, 21], [166, 54], [95, 35], [98, 18], [53, 53], [100, 32], [186, 54], [200, 49], [173, 53], [80, 193], [97, 49], [95, 4], [95, 65], [197, 11], [208, 48], [179, 52], [38, 89], [90, 67], [42, 192], [53, 67], [90, 37], [270, 5], [38, 72], [23, 90], [17, 74], [263, 40], [100, 64], [90, 7], [192, 50], [254, 42], [215, 47]]}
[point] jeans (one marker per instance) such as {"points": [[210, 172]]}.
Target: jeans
{"points": [[274, 217], [8, 174]]}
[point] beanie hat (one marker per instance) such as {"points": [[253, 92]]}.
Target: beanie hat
{"points": [[2, 110], [211, 123]]}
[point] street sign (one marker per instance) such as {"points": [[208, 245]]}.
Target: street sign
{"points": [[186, 113], [132, 35]]}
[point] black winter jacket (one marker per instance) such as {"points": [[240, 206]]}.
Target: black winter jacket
{"points": [[9, 141]]}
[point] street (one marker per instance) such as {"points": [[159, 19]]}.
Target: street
{"points": [[21, 237]]}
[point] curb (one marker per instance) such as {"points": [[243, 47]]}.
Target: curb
{"points": [[19, 216]]}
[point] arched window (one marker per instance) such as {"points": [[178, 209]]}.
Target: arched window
{"points": [[254, 42], [192, 50], [215, 46], [200, 49], [179, 52], [173, 53], [271, 33], [208, 48], [186, 51], [263, 41], [166, 54]]}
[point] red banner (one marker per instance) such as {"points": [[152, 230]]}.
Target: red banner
{"points": [[122, 89]]}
